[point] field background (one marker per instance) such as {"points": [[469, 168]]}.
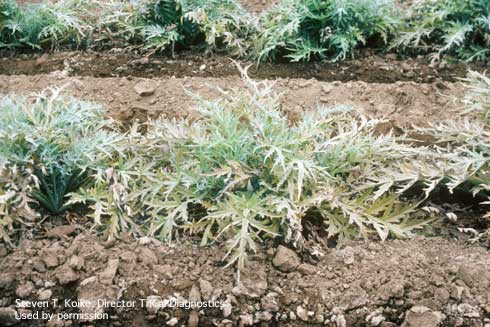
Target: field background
{"points": [[439, 279]]}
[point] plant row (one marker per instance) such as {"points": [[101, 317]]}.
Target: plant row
{"points": [[295, 30], [237, 173]]}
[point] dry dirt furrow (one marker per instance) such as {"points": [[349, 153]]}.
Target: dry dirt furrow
{"points": [[368, 67], [402, 103]]}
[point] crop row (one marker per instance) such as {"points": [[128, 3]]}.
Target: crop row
{"points": [[295, 30], [237, 172]]}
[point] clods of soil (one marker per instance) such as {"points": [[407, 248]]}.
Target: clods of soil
{"points": [[368, 68], [419, 282]]}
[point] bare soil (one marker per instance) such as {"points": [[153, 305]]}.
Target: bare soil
{"points": [[401, 103], [368, 68], [359, 285]]}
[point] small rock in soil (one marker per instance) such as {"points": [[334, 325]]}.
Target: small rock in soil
{"points": [[307, 269], [456, 292], [253, 284], [405, 66], [354, 298], [269, 303], [286, 260], [7, 317], [109, 273], [43, 295], [145, 88], [375, 318], [66, 275], [193, 319], [49, 284], [140, 61], [340, 321], [263, 316], [145, 240], [226, 308], [147, 256], [128, 256], [55, 322], [393, 289], [246, 320], [474, 277], [183, 284], [91, 291], [42, 60], [194, 294], [24, 290], [38, 265], [419, 316], [152, 302], [206, 289], [302, 313], [468, 311], [347, 255], [60, 231], [6, 281], [441, 295], [76, 262], [50, 258], [327, 88]]}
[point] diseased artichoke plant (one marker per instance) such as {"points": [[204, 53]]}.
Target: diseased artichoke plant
{"points": [[150, 24], [456, 27], [237, 172], [257, 175], [241, 172], [301, 30], [52, 142], [165, 24], [46, 24], [458, 156], [466, 144], [477, 99], [16, 185], [115, 195]]}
